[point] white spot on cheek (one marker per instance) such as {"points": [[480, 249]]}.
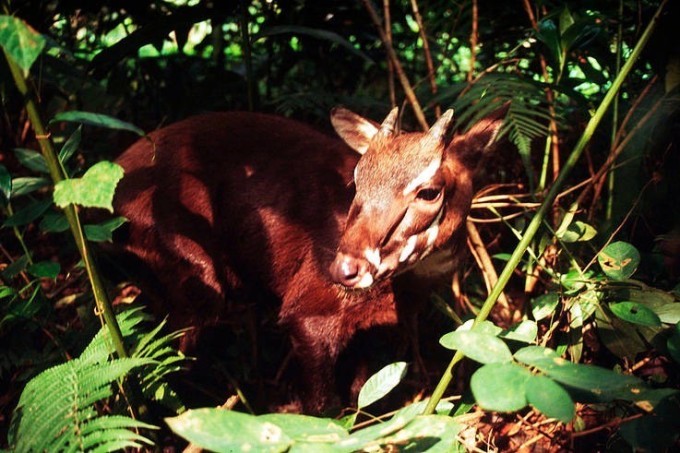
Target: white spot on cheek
{"points": [[424, 176], [408, 248], [373, 257], [432, 233], [366, 281]]}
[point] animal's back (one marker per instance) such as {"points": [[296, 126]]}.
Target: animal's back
{"points": [[226, 200]]}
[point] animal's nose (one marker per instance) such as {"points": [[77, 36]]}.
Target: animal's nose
{"points": [[351, 272]]}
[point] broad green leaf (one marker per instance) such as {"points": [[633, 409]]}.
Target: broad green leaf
{"points": [[54, 222], [525, 331], [303, 428], [28, 214], [363, 437], [32, 160], [619, 260], [529, 354], [544, 305], [635, 313], [486, 327], [95, 189], [481, 347], [5, 184], [96, 119], [669, 313], [431, 433], [574, 281], [28, 184], [605, 384], [103, 232], [46, 269], [71, 145], [673, 343], [550, 398], [381, 383], [587, 303], [622, 338], [222, 430], [7, 291], [500, 386], [578, 232], [20, 41]]}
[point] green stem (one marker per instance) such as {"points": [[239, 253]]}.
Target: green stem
{"points": [[535, 223], [56, 172]]}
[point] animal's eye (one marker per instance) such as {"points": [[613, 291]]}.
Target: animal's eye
{"points": [[428, 194]]}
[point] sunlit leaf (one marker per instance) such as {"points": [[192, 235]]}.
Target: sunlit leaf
{"points": [[229, 431], [525, 331], [304, 428], [544, 305], [550, 398], [95, 189], [481, 347], [578, 232], [619, 260], [25, 185], [500, 386], [381, 383]]}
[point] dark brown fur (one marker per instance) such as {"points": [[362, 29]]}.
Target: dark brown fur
{"points": [[226, 202]]}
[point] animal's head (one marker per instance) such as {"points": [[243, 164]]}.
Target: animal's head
{"points": [[413, 192]]}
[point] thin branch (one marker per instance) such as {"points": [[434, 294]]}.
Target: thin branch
{"points": [[428, 56], [474, 36], [390, 66], [403, 79], [483, 259]]}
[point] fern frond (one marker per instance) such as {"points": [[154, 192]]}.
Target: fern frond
{"points": [[56, 405]]}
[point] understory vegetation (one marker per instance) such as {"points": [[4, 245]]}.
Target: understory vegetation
{"points": [[559, 331]]}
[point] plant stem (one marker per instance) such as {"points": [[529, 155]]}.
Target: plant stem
{"points": [[536, 221], [56, 172]]}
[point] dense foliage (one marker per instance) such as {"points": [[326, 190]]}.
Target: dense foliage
{"points": [[584, 348]]}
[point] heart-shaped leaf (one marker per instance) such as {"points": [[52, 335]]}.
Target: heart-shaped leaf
{"points": [[20, 41], [94, 190]]}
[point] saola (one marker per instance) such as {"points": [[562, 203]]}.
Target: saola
{"points": [[226, 202]]}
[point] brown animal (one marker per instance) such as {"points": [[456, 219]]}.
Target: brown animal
{"points": [[223, 202]]}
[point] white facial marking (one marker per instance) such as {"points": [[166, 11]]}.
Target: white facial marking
{"points": [[432, 233], [355, 175], [424, 176], [373, 257], [345, 267], [366, 281], [408, 248]]}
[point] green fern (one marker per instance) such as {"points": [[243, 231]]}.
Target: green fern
{"points": [[527, 117], [56, 410]]}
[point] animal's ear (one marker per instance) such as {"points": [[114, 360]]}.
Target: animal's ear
{"points": [[357, 131], [470, 146]]}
